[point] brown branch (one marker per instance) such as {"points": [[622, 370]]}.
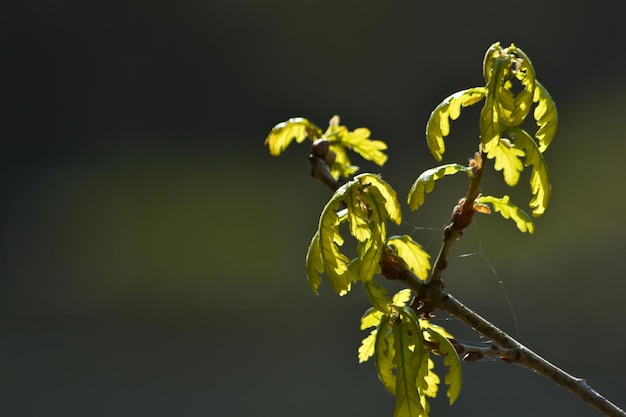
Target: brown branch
{"points": [[430, 297], [513, 351]]}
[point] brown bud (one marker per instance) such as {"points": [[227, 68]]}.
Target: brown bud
{"points": [[321, 149]]}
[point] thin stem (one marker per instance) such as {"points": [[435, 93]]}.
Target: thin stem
{"points": [[462, 216]]}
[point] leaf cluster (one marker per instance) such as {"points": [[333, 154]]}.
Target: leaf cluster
{"points": [[402, 346], [510, 92], [401, 343], [340, 140]]}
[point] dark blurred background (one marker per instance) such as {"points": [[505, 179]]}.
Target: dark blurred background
{"points": [[152, 252]]}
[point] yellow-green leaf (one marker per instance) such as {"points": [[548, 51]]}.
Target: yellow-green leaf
{"points": [[545, 115], [366, 350], [407, 359], [401, 297], [438, 126], [490, 123], [358, 216], [521, 68], [284, 133], [370, 251], [425, 183], [371, 318], [342, 167], [427, 380], [417, 259], [314, 263], [377, 295], [359, 141], [335, 262], [392, 206], [425, 324], [451, 359], [384, 353], [507, 159], [509, 211], [539, 178]]}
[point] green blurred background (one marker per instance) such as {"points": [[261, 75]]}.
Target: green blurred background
{"points": [[152, 252]]}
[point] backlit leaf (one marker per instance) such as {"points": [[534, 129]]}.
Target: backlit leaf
{"points": [[545, 115], [342, 167], [505, 105], [509, 211], [520, 68], [491, 125], [370, 250], [451, 359], [366, 350], [407, 359], [438, 126], [425, 183], [427, 380], [426, 324], [284, 133], [371, 318], [377, 295], [335, 262], [314, 263], [539, 178], [417, 259], [358, 217], [359, 141], [507, 159], [384, 353], [401, 297], [392, 206]]}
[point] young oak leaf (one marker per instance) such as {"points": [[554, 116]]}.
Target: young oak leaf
{"points": [[335, 263], [314, 264], [384, 353], [377, 295], [407, 360], [373, 315], [539, 178], [401, 297], [451, 359], [371, 318], [359, 141], [427, 380], [413, 254], [358, 216], [366, 350], [425, 183], [408, 401], [490, 124], [387, 197], [507, 159], [370, 250], [438, 125], [342, 167], [545, 115], [284, 133], [509, 211], [514, 107]]}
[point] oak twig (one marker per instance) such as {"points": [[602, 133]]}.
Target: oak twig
{"points": [[431, 294]]}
